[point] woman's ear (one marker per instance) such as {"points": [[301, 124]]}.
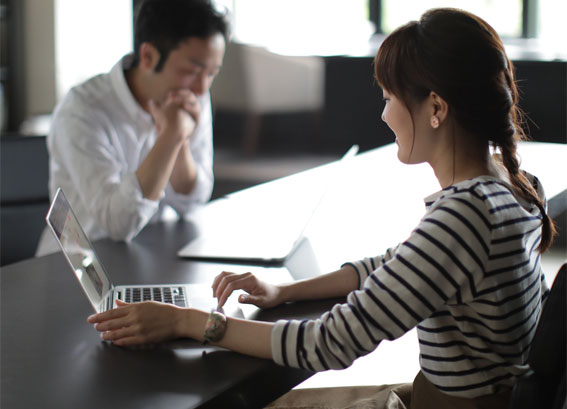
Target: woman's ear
{"points": [[149, 56], [439, 109]]}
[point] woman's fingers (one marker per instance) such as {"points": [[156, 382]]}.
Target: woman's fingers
{"points": [[229, 284], [217, 280], [223, 280], [250, 299], [118, 333], [108, 315], [260, 293], [114, 323]]}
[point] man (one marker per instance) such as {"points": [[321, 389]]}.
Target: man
{"points": [[126, 144]]}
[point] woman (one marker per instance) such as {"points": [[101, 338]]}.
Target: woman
{"points": [[469, 275]]}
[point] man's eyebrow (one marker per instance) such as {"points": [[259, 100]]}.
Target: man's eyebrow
{"points": [[202, 65]]}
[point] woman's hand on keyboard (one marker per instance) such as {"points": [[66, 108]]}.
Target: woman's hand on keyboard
{"points": [[138, 323]]}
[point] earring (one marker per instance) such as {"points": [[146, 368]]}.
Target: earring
{"points": [[434, 122]]}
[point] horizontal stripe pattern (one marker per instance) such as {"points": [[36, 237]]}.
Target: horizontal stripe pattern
{"points": [[469, 277]]}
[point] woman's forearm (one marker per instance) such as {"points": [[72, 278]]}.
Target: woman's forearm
{"points": [[243, 336], [336, 284], [254, 337]]}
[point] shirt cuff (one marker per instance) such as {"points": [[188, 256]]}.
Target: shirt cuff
{"points": [[183, 204], [283, 353], [359, 267]]}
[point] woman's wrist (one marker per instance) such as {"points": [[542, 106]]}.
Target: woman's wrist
{"points": [[186, 323], [285, 292]]}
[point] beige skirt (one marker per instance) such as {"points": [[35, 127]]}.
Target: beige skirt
{"points": [[422, 394]]}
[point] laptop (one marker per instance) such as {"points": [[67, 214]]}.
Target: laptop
{"points": [[266, 224], [92, 276]]}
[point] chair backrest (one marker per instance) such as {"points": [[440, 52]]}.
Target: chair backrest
{"points": [[546, 386], [24, 195], [256, 80]]}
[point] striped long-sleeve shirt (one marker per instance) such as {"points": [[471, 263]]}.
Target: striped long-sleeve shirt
{"points": [[468, 277]]}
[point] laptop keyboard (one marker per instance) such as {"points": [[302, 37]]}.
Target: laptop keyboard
{"points": [[170, 295]]}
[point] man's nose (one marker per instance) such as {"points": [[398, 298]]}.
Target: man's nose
{"points": [[201, 84]]}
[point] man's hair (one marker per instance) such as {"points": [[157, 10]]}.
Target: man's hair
{"points": [[166, 23]]}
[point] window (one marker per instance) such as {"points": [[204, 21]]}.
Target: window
{"points": [[504, 15], [529, 28], [327, 27], [90, 37], [302, 26], [550, 25]]}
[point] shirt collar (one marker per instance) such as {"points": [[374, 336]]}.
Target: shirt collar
{"points": [[429, 200], [432, 198], [123, 90]]}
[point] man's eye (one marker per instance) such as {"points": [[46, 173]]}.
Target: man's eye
{"points": [[190, 71]]}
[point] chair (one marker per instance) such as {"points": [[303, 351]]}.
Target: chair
{"points": [[255, 82], [545, 388], [24, 195]]}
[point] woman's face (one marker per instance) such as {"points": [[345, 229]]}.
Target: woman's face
{"points": [[399, 119], [413, 136]]}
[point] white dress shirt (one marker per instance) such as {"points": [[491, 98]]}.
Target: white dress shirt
{"points": [[99, 137]]}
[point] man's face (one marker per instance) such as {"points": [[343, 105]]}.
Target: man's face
{"points": [[191, 66]]}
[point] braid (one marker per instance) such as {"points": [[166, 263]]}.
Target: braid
{"points": [[525, 189], [507, 141], [511, 130]]}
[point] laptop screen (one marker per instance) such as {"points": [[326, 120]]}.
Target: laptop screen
{"points": [[78, 250]]}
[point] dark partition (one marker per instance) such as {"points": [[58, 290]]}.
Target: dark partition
{"points": [[353, 106], [24, 195], [543, 98], [353, 101]]}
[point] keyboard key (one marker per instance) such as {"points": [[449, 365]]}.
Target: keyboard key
{"points": [[171, 295]]}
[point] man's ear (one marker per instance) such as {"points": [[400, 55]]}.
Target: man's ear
{"points": [[149, 56], [440, 108]]}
